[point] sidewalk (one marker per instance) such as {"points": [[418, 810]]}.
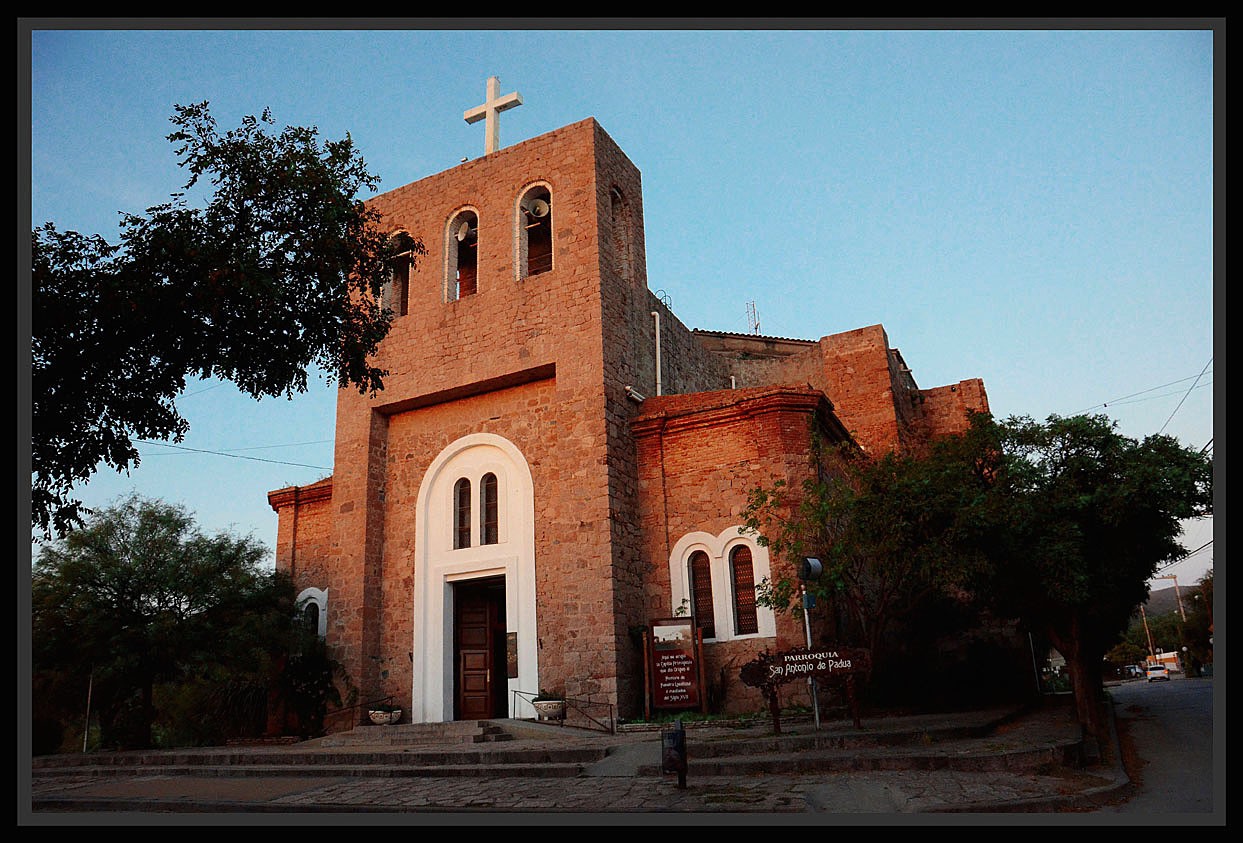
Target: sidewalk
{"points": [[975, 762]]}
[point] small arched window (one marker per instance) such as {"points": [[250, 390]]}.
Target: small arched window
{"points": [[397, 293], [489, 526], [312, 605], [461, 514], [700, 570], [742, 576], [535, 254], [462, 256]]}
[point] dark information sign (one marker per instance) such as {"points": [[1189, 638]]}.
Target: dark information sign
{"points": [[675, 670], [817, 664], [829, 665]]}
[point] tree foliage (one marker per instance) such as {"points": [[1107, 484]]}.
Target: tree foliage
{"points": [[1198, 632], [1081, 519], [279, 269], [886, 529], [1059, 525], [139, 597]]}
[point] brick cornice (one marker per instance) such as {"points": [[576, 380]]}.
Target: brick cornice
{"points": [[290, 495], [673, 413]]}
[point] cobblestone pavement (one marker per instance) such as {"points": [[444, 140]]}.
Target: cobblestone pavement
{"points": [[617, 789], [873, 792]]}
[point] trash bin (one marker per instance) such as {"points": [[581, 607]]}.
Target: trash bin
{"points": [[673, 751]]}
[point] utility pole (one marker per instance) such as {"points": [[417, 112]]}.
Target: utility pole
{"points": [[1178, 595], [1152, 655]]}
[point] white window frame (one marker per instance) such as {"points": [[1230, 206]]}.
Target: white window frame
{"points": [[318, 596], [718, 548]]}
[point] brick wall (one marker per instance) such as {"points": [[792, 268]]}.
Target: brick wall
{"points": [[700, 456], [868, 383], [544, 361], [522, 358], [946, 408]]}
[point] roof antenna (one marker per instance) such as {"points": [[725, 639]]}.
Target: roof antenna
{"points": [[753, 318]]}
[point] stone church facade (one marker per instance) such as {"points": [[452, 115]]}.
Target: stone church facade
{"points": [[556, 459]]}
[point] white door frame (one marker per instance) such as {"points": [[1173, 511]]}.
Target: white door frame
{"points": [[437, 565]]}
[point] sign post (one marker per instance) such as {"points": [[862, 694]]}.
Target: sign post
{"points": [[810, 571], [808, 602]]}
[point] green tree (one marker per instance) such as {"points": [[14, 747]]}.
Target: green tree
{"points": [[279, 268], [139, 597], [1059, 525], [1131, 650], [1079, 520], [886, 529], [1198, 633]]}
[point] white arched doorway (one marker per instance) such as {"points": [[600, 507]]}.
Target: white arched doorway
{"points": [[475, 534]]}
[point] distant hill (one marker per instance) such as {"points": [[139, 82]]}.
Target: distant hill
{"points": [[1165, 600]]}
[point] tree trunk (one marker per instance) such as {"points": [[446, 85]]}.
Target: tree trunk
{"points": [[1086, 682]]}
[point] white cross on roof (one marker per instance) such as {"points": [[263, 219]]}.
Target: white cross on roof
{"points": [[488, 112]]}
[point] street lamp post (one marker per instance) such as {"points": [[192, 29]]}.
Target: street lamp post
{"points": [[809, 571]]}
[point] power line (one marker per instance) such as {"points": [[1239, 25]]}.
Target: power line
{"points": [[1184, 398], [1145, 392], [289, 445], [1121, 402], [1185, 556], [234, 456]]}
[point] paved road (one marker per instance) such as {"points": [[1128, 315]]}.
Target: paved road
{"points": [[1171, 727]]}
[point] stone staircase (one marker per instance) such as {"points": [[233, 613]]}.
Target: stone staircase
{"points": [[515, 748], [416, 734], [461, 749]]}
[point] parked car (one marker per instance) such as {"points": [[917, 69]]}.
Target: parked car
{"points": [[1157, 672]]}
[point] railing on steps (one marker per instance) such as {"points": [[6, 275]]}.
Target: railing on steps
{"points": [[606, 721], [335, 716]]}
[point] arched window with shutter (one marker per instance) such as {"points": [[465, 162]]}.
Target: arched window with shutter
{"points": [[489, 525], [742, 578], [700, 570], [461, 514]]}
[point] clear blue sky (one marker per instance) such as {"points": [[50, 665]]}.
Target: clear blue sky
{"points": [[1034, 208]]}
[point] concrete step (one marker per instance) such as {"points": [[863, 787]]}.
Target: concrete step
{"points": [[517, 748], [411, 734], [372, 770], [295, 758]]}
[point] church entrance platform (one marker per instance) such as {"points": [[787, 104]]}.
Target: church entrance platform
{"points": [[996, 760]]}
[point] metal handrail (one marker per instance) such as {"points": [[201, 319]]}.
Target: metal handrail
{"points": [[610, 727], [362, 705], [578, 705]]}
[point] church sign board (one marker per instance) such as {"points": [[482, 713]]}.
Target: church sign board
{"points": [[831, 664], [675, 664]]}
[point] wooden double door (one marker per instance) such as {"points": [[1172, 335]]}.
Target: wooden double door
{"points": [[481, 668]]}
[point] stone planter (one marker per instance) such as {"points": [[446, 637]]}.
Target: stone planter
{"points": [[549, 709], [384, 718]]}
